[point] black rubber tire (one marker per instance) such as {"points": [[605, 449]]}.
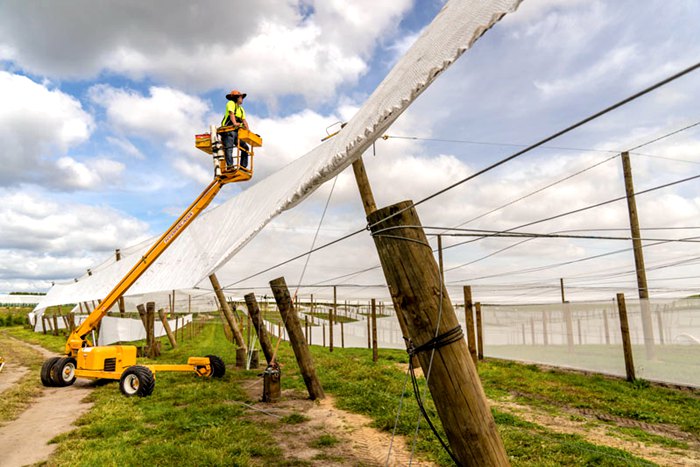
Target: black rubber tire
{"points": [[46, 372], [63, 372], [218, 367], [137, 381]]}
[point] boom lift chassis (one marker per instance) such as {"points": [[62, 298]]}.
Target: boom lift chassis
{"points": [[118, 362]]}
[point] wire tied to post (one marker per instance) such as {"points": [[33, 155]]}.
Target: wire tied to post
{"points": [[446, 338]]}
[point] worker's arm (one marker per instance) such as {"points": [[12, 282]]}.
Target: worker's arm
{"points": [[244, 124]]}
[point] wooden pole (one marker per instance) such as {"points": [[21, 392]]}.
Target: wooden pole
{"points": [[228, 314], [342, 335], [259, 326], [642, 288], [561, 286], [532, 331], [358, 167], [331, 317], [661, 324], [306, 329], [296, 338], [365, 189], [545, 336], [369, 328], [480, 332], [414, 282], [469, 321], [122, 308], [625, 331], [580, 337], [166, 325], [607, 326], [375, 350], [142, 314], [150, 330]]}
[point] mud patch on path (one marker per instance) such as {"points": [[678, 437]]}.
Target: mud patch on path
{"points": [[320, 434]]}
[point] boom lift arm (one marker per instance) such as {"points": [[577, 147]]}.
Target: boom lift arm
{"points": [[119, 361]]}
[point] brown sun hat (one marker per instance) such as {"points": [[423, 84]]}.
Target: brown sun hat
{"points": [[235, 92]]}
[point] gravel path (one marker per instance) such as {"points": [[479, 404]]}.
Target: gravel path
{"points": [[25, 440]]}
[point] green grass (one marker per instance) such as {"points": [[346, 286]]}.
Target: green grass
{"points": [[53, 343], [324, 441], [375, 390], [186, 421], [294, 419], [194, 421], [604, 395], [16, 398]]}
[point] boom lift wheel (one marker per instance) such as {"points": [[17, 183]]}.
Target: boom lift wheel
{"points": [[63, 372], [46, 371], [137, 381], [218, 368]]}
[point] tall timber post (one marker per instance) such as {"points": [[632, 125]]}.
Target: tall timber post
{"points": [[425, 312]]}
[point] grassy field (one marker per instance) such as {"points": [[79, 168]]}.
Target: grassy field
{"points": [[192, 421]]}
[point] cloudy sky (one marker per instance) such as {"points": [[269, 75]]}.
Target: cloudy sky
{"points": [[101, 101]]}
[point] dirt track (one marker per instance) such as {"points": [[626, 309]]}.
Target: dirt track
{"points": [[25, 440]]}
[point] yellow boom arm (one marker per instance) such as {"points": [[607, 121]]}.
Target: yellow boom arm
{"points": [[77, 338]]}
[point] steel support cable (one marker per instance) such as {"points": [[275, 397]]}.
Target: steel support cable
{"points": [[556, 265], [568, 213], [533, 193], [306, 263], [499, 234], [550, 138], [537, 191], [491, 143], [499, 163]]}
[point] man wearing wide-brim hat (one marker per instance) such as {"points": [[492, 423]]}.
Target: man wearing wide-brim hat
{"points": [[235, 117]]}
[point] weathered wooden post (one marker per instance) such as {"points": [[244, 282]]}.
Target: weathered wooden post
{"points": [[480, 332], [375, 351], [369, 328], [296, 338], [607, 326], [259, 326], [306, 329], [166, 326], [152, 350], [417, 291], [228, 332], [532, 331], [580, 336], [545, 336], [469, 321], [661, 324], [331, 318], [55, 324], [242, 350], [625, 332], [342, 335], [642, 288]]}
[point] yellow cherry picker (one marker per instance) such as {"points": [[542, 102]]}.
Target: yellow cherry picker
{"points": [[82, 359]]}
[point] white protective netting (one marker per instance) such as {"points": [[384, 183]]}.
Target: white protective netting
{"points": [[217, 235], [590, 339], [581, 335], [113, 330]]}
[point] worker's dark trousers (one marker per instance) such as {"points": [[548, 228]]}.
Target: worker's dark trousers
{"points": [[230, 140]]}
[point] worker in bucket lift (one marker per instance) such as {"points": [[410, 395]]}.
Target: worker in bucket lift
{"points": [[234, 116]]}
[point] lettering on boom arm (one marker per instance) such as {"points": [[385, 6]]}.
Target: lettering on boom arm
{"points": [[178, 227]]}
